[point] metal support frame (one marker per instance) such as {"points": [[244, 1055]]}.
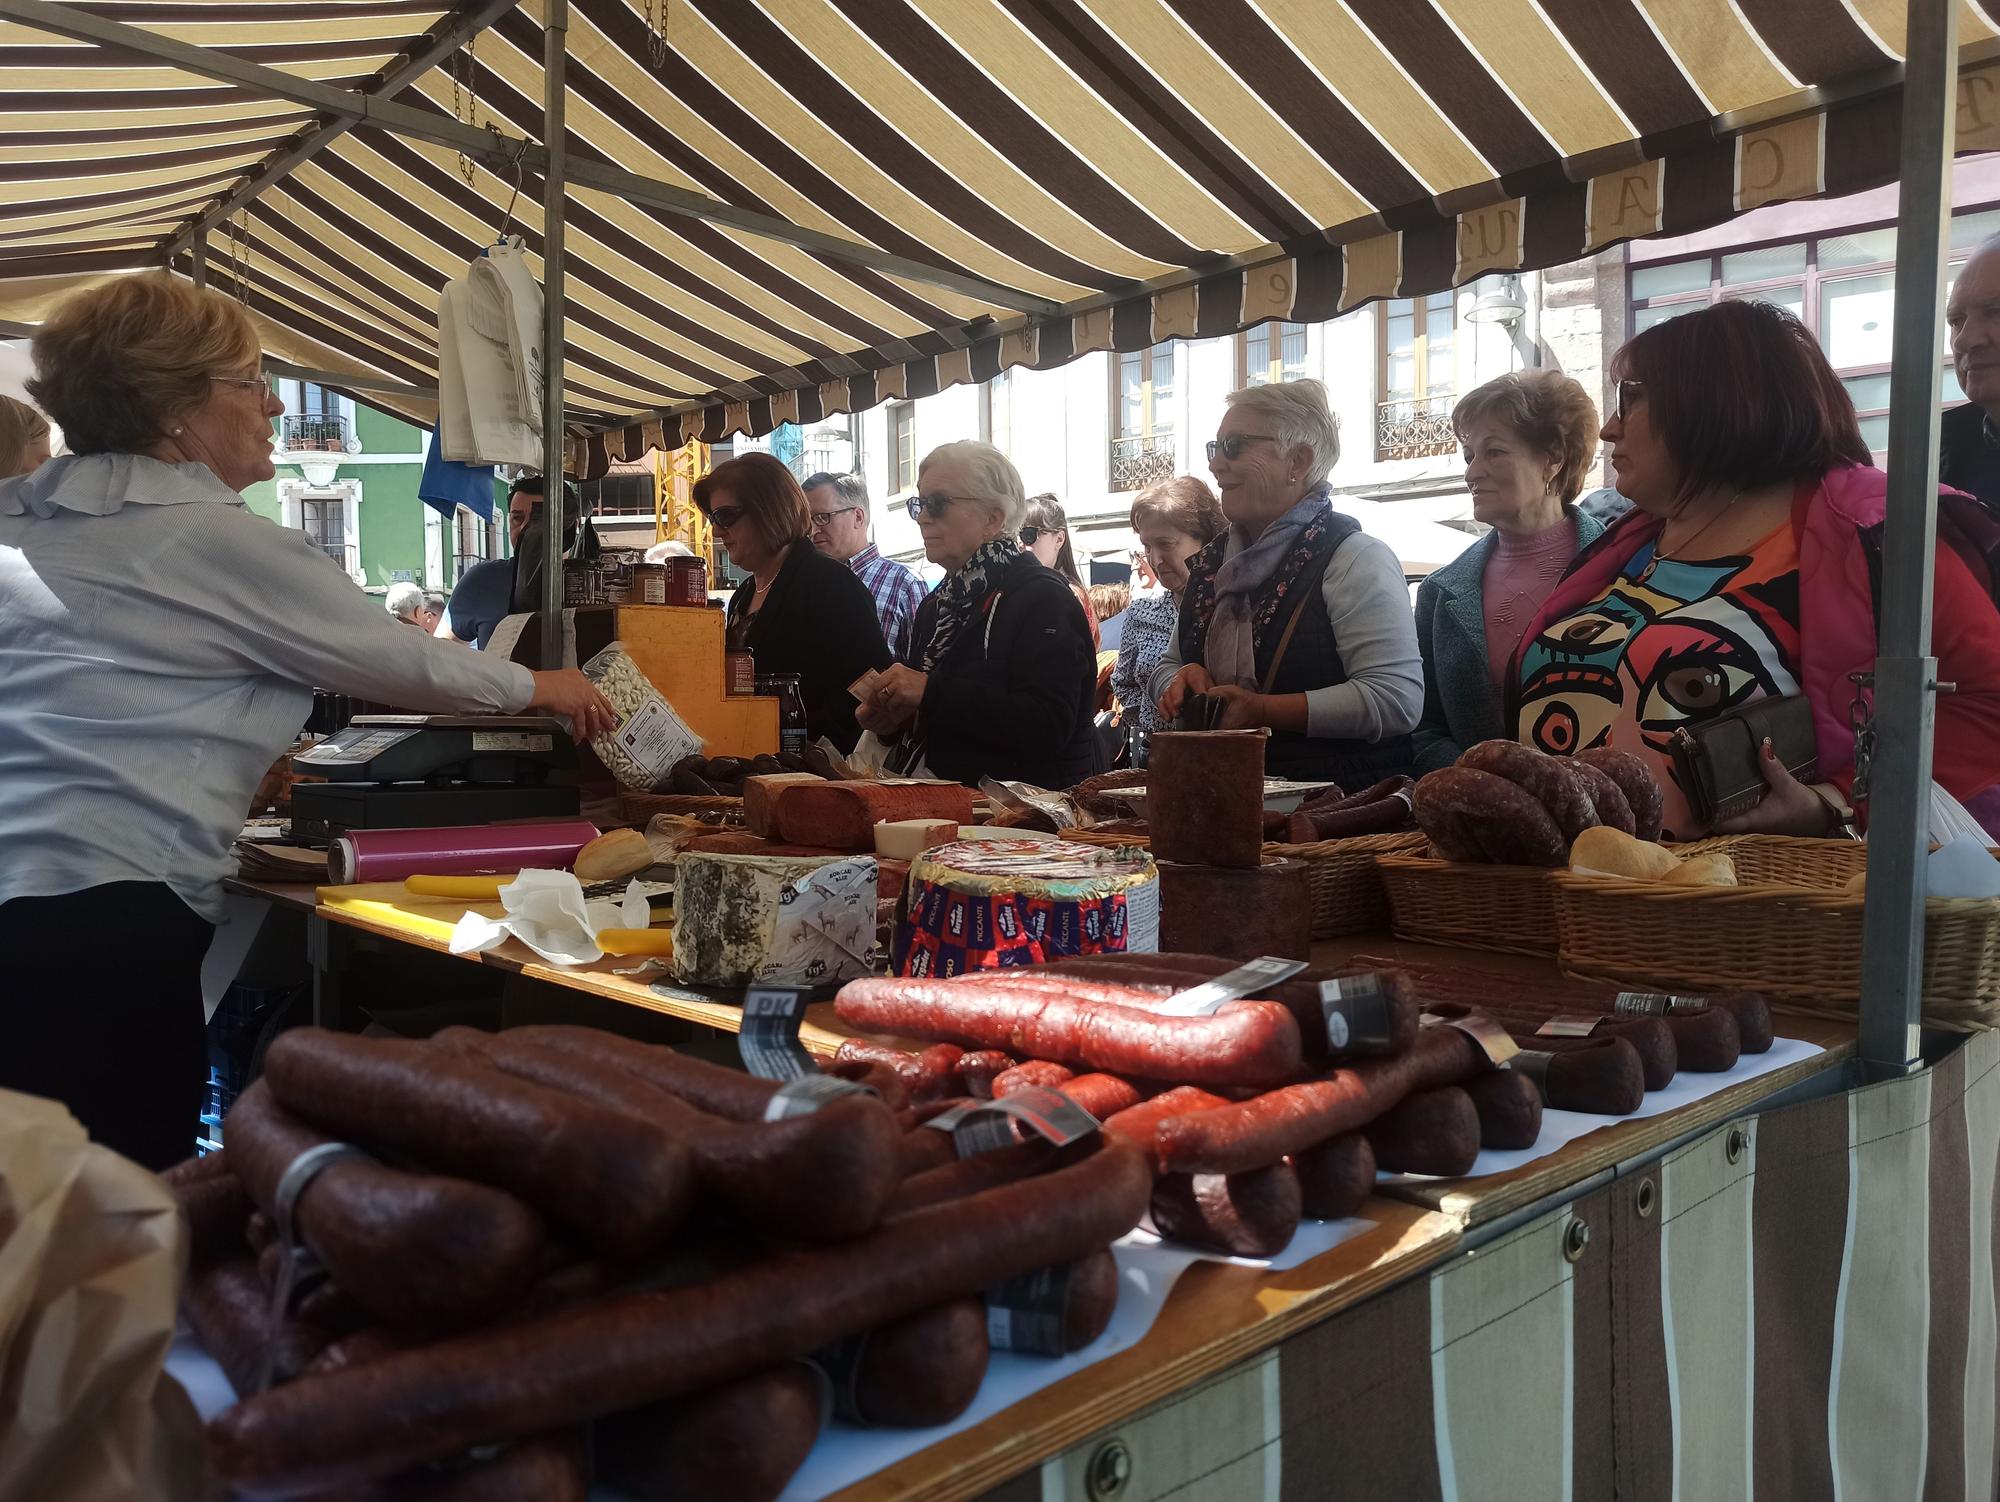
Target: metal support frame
{"points": [[555, 73], [1905, 672], [199, 246], [473, 17], [381, 384], [497, 152]]}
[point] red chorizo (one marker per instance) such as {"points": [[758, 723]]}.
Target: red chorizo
{"points": [[1102, 1095], [1336, 1176], [411, 1247], [1253, 1214], [1246, 1043], [1034, 1074], [645, 1347], [914, 1372], [978, 1070], [740, 1442], [623, 1183], [1137, 1124]]}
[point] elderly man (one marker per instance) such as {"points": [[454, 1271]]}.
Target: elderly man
{"points": [[1968, 442], [416, 606], [839, 512]]}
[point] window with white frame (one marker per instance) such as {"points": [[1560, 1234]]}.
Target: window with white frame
{"points": [[475, 541], [324, 521], [1272, 351]]}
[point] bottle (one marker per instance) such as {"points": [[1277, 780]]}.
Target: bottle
{"points": [[792, 736]]}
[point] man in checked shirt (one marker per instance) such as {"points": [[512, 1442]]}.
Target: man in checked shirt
{"points": [[839, 512]]}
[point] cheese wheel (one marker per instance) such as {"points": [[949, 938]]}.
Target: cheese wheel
{"points": [[981, 904], [776, 920]]}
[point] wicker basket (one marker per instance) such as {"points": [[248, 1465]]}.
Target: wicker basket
{"points": [[1470, 906], [1346, 879], [639, 808], [1109, 838], [1790, 931]]}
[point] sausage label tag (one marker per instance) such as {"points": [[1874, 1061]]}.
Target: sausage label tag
{"points": [[1487, 1033], [1212, 995], [1569, 1025], [807, 1094], [1655, 1004], [1357, 1011], [839, 1368], [1535, 1065], [982, 1126], [769, 1042], [1028, 1313]]}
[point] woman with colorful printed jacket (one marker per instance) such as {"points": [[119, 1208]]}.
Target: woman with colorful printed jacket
{"points": [[1743, 572], [1294, 618]]}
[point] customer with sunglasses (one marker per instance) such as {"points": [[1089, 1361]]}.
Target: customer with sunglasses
{"points": [[1046, 534], [1000, 675], [1294, 618], [800, 612]]}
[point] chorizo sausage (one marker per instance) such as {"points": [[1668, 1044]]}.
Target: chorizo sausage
{"points": [[1034, 1074], [978, 1070], [913, 1372], [1635, 781], [740, 1442], [1253, 1214], [728, 1093], [1336, 1176], [962, 1177], [1432, 1131], [1509, 1107], [1102, 1095], [645, 1347]]}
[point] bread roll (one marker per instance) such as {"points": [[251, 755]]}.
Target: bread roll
{"points": [[1712, 870], [612, 855], [1605, 851]]}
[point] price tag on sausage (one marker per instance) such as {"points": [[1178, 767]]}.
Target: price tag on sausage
{"points": [[1535, 1065], [1643, 1004], [1357, 1011], [769, 1042], [1028, 1313], [1570, 1025], [982, 1126], [806, 1095], [1498, 1044], [1233, 985]]}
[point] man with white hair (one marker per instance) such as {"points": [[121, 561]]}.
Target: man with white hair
{"points": [[837, 506], [1294, 618], [415, 606], [1968, 440]]}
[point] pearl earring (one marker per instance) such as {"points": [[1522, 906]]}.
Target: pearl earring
{"points": [[173, 432]]}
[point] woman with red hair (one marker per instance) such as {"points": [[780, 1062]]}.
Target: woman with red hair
{"points": [[1744, 571]]}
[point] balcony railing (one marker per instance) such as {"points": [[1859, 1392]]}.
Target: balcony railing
{"points": [[1140, 461], [1415, 427], [314, 433]]}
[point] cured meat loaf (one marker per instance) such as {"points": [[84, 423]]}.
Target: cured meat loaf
{"points": [[1471, 815], [1635, 781], [740, 1442], [1547, 779], [843, 815]]}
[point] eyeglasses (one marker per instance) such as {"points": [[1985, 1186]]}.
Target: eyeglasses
{"points": [[269, 383], [821, 518], [1030, 534], [935, 503], [725, 518], [1630, 394], [1232, 447]]}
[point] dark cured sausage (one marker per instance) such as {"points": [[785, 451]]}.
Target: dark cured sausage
{"points": [[218, 1209], [1707, 1039], [411, 1247], [1604, 794], [1093, 1299], [1635, 781], [1250, 1134], [1252, 1214], [913, 1372], [540, 1468], [740, 1442], [229, 1309], [645, 1347], [1545, 778], [623, 1183], [1433, 1131], [963, 1177], [880, 1078], [728, 1093], [1336, 1177], [1753, 1018], [1472, 815], [823, 1176], [1602, 1076], [1509, 1107], [1246, 1043]]}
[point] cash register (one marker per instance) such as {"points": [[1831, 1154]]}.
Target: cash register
{"points": [[419, 771]]}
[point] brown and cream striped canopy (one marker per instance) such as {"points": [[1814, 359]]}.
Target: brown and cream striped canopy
{"points": [[1135, 170]]}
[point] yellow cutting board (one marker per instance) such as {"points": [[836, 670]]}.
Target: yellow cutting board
{"points": [[390, 903]]}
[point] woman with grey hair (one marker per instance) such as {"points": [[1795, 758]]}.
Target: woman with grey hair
{"points": [[1294, 619], [1000, 676]]}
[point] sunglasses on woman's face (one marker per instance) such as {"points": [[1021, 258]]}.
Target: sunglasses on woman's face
{"points": [[1029, 536], [1630, 394], [725, 518], [1233, 446], [936, 504]]}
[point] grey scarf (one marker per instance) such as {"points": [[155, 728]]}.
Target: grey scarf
{"points": [[1231, 654]]}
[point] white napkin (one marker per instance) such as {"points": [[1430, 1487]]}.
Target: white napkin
{"points": [[1963, 868], [547, 911]]}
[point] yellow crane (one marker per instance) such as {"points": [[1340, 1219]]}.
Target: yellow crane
{"points": [[675, 518]]}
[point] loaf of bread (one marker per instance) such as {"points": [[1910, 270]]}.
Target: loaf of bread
{"points": [[1604, 851]]}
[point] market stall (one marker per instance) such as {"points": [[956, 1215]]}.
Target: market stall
{"points": [[1638, 1306]]}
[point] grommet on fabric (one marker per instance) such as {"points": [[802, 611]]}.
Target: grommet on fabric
{"points": [[1735, 1143], [1110, 1471], [1576, 1240], [1643, 1200]]}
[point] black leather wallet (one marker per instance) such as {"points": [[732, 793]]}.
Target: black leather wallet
{"points": [[1200, 712], [1715, 762]]}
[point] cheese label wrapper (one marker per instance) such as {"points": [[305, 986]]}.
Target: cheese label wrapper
{"points": [[1211, 996], [982, 1126], [1569, 1025], [743, 920], [1028, 1313], [769, 1042], [1357, 1011], [807, 1094]]}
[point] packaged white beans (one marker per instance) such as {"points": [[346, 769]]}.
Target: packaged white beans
{"points": [[649, 737]]}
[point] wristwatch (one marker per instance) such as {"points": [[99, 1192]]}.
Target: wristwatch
{"points": [[1845, 821]]}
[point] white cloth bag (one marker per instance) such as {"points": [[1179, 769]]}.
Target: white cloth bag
{"points": [[494, 432], [506, 307]]}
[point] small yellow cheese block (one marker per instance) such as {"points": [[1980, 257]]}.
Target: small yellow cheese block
{"points": [[472, 888], [636, 940], [906, 839]]}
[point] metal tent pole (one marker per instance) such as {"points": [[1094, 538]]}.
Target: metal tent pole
{"points": [[555, 55], [1905, 672]]}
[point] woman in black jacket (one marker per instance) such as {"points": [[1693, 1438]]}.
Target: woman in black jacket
{"points": [[1000, 675], [800, 612]]}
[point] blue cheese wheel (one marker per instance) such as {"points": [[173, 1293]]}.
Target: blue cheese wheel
{"points": [[983, 904], [775, 920]]}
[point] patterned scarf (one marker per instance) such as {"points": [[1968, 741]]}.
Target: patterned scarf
{"points": [[964, 592], [1230, 605]]}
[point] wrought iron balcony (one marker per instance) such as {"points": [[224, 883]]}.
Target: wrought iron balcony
{"points": [[1414, 427], [1142, 460], [314, 433]]}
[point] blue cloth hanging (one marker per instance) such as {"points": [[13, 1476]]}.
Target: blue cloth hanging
{"points": [[448, 484]]}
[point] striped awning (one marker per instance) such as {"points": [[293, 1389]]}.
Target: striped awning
{"points": [[1133, 170]]}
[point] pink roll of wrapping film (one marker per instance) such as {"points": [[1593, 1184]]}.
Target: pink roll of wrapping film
{"points": [[393, 854]]}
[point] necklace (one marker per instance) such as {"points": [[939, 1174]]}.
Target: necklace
{"points": [[1661, 555]]}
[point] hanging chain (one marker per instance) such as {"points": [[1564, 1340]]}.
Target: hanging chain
{"points": [[656, 34], [462, 63], [239, 253]]}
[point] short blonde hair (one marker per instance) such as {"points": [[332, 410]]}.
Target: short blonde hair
{"points": [[990, 478], [1547, 410], [1298, 413], [20, 425], [116, 365]]}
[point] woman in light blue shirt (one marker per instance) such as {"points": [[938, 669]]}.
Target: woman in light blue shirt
{"points": [[159, 643]]}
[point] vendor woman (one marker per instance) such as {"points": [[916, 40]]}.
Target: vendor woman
{"points": [[1294, 618], [160, 643]]}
